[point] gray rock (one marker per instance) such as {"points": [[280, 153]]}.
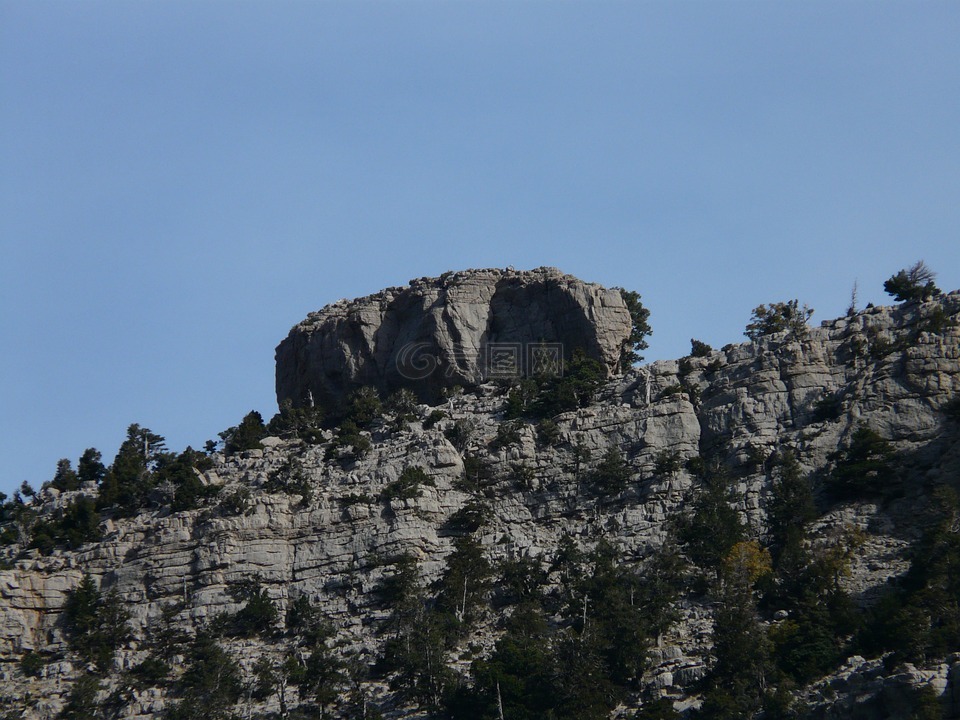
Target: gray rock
{"points": [[437, 333], [337, 548]]}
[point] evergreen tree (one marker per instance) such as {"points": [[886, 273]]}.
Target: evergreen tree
{"points": [[519, 674], [916, 283], [180, 474], [463, 588], [581, 682], [82, 701], [606, 612], [90, 468], [864, 467], [211, 684], [714, 527], [96, 624], [364, 406], [245, 436], [639, 328], [65, 478], [297, 422], [738, 678], [612, 474], [790, 505], [576, 388], [258, 616], [129, 480], [80, 523]]}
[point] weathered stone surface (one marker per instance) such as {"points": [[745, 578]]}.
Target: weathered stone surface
{"points": [[436, 333], [738, 405]]}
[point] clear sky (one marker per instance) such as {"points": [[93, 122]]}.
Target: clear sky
{"points": [[181, 182]]}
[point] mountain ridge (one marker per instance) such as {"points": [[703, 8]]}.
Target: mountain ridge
{"points": [[312, 516]]}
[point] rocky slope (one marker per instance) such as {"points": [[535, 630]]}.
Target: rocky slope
{"points": [[881, 368]]}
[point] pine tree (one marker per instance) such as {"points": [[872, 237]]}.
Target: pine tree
{"points": [[916, 283]]}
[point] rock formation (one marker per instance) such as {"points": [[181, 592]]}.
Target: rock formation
{"points": [[336, 535], [440, 332]]}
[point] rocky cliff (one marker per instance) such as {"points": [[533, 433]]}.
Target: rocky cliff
{"points": [[306, 523], [442, 332]]}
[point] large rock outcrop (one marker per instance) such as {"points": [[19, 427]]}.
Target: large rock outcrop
{"points": [[441, 332]]}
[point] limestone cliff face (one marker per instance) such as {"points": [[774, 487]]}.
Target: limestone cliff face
{"points": [[879, 367], [439, 332]]}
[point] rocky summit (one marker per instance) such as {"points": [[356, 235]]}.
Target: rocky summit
{"points": [[767, 530], [443, 332]]}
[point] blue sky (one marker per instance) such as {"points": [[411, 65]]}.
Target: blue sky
{"points": [[183, 181]]}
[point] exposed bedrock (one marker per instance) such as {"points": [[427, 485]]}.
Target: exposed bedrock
{"points": [[436, 333]]}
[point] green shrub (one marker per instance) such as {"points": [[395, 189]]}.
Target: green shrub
{"points": [[364, 406], [508, 433], [521, 398], [477, 474], [292, 479], [357, 499], [778, 317], [349, 443], [523, 475], [82, 700], [675, 389], [458, 434], [409, 485], [403, 403], [151, 672], [297, 422], [865, 467], [470, 518], [31, 663], [433, 418], [575, 389], [548, 432], [880, 347], [936, 321], [259, 614], [699, 349], [667, 462], [659, 709], [237, 502], [828, 407], [182, 473], [612, 473]]}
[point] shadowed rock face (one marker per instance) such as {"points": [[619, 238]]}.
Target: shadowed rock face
{"points": [[440, 332]]}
